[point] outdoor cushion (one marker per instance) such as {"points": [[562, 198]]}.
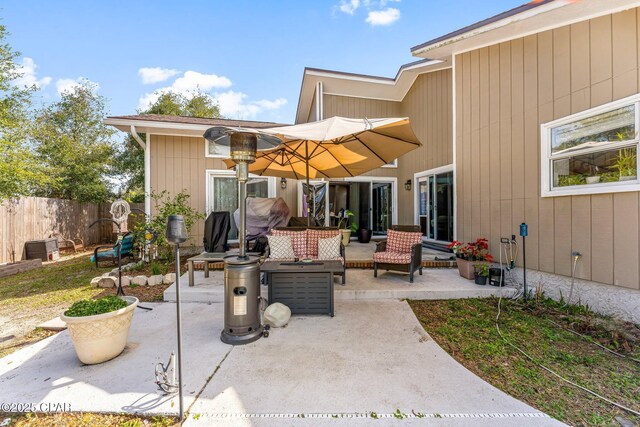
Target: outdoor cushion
{"points": [[401, 241], [298, 240], [280, 247], [392, 257], [314, 235], [329, 248]]}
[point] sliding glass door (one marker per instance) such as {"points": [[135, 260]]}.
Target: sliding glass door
{"points": [[222, 194], [435, 206]]}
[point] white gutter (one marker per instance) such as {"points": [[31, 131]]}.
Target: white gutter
{"points": [[135, 136], [147, 167], [147, 176], [320, 101]]}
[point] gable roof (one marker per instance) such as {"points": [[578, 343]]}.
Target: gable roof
{"points": [[160, 124]]}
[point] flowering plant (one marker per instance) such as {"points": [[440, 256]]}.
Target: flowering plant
{"points": [[472, 251]]}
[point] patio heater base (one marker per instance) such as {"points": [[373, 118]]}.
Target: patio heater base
{"points": [[241, 300]]}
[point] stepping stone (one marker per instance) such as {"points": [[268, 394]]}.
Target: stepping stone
{"points": [[55, 324]]}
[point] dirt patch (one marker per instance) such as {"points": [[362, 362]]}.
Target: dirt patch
{"points": [[143, 293]]}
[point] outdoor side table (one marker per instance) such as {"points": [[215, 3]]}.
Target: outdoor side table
{"points": [[206, 258], [306, 288]]}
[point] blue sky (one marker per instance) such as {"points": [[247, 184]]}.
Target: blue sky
{"points": [[249, 55]]}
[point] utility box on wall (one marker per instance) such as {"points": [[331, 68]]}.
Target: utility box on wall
{"points": [[46, 249]]}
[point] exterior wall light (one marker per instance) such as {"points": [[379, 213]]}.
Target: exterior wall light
{"points": [[407, 185], [283, 183]]}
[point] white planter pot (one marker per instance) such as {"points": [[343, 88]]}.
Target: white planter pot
{"points": [[101, 337], [346, 235], [592, 179]]}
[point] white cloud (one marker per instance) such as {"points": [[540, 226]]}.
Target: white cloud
{"points": [[383, 17], [67, 85], [151, 75], [28, 78], [193, 80], [236, 105], [349, 6]]}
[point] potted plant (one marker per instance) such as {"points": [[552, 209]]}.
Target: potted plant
{"points": [[594, 177], [343, 225], [99, 328], [626, 165], [481, 274], [470, 254], [364, 235]]}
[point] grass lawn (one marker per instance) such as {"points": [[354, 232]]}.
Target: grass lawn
{"points": [[466, 330], [30, 298], [86, 420]]}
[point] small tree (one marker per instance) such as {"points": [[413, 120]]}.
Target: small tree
{"points": [[129, 162], [75, 146], [19, 171]]}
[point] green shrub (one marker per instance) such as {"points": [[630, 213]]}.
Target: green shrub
{"points": [[92, 307], [165, 205]]}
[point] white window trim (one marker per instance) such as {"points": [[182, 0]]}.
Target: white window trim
{"points": [[546, 179], [222, 173], [393, 164], [212, 156]]}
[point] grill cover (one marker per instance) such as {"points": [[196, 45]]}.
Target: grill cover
{"points": [[263, 214], [216, 232]]}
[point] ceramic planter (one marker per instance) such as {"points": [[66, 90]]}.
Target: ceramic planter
{"points": [[101, 337], [467, 268], [592, 179], [346, 235], [364, 235]]}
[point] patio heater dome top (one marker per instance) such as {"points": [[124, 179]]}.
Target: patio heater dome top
{"points": [[221, 135]]}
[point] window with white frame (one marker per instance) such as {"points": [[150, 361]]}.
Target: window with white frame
{"points": [[216, 150], [392, 164], [594, 151]]}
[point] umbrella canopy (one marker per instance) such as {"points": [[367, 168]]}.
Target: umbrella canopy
{"points": [[334, 148]]}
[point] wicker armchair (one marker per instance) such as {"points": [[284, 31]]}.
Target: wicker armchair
{"points": [[402, 251]]}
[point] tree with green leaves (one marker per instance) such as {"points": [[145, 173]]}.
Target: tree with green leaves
{"points": [[19, 171], [129, 161], [74, 145]]}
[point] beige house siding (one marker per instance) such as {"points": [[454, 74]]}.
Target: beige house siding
{"points": [[504, 92], [429, 106], [179, 163]]}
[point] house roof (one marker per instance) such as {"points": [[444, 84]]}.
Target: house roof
{"points": [[160, 124], [530, 18]]}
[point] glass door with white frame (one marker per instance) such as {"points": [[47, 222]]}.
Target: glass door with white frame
{"points": [[223, 195], [435, 206]]}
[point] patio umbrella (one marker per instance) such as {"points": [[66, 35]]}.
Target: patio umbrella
{"points": [[337, 147]]}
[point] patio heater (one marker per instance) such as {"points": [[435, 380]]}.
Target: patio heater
{"points": [[177, 233], [242, 271]]}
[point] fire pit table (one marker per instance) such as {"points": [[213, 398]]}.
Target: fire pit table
{"points": [[306, 288]]}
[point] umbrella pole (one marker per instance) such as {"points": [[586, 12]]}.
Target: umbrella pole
{"points": [[306, 156]]}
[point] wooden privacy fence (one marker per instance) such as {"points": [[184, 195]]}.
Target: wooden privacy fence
{"points": [[35, 218]]}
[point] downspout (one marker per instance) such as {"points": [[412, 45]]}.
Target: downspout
{"points": [[147, 168], [320, 101]]}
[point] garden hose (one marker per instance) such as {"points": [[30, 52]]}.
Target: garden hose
{"points": [[551, 371]]}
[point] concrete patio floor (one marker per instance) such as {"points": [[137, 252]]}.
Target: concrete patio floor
{"points": [[435, 283], [373, 356]]}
